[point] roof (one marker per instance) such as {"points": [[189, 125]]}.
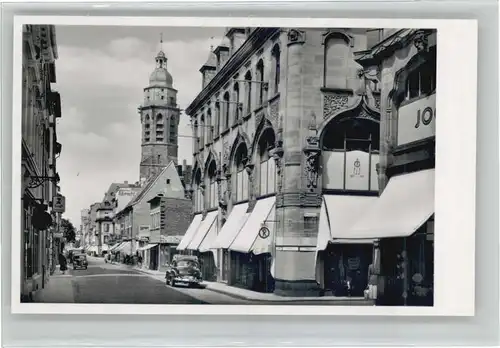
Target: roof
{"points": [[149, 184]]}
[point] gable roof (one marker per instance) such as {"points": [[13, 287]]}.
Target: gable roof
{"points": [[147, 187]]}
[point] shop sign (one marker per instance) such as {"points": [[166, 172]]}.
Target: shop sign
{"points": [[59, 204], [417, 120], [351, 170]]}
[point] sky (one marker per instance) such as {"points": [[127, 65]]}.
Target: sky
{"points": [[101, 72]]}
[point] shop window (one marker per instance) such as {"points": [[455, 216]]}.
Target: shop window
{"points": [[225, 265], [36, 251]]}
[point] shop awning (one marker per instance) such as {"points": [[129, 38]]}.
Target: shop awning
{"points": [[147, 247], [202, 231], [125, 247], [249, 233], [232, 227], [188, 236], [115, 246], [404, 206], [338, 214], [209, 239]]}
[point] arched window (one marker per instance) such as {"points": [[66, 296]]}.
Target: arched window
{"points": [[267, 165], [211, 186], [159, 118], [226, 110], [248, 101], [202, 131], [276, 68], [210, 128], [173, 130], [217, 119], [198, 195], [239, 175], [337, 52], [159, 127], [236, 98], [260, 78]]}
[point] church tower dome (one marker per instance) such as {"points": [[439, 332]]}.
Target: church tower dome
{"points": [[159, 116], [160, 76]]}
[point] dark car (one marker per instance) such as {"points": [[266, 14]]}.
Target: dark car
{"points": [[184, 270], [80, 261]]}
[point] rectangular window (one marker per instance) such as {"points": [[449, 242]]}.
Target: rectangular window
{"points": [[263, 177], [244, 176], [271, 174], [310, 222], [106, 228]]}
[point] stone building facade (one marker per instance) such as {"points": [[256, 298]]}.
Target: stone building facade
{"points": [[41, 106], [159, 117], [288, 154]]}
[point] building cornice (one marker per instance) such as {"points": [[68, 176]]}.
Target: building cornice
{"points": [[256, 39], [389, 45]]}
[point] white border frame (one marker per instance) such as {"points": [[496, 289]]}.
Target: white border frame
{"points": [[455, 164]]}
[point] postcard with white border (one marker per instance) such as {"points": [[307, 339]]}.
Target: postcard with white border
{"points": [[286, 166]]}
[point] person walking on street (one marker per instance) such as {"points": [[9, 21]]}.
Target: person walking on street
{"points": [[63, 263]]}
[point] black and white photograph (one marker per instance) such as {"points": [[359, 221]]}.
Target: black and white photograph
{"points": [[202, 165]]}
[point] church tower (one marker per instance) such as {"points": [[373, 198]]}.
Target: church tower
{"points": [[160, 120]]}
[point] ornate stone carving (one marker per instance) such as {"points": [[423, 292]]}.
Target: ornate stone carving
{"points": [[420, 41], [296, 36], [258, 118], [274, 110], [333, 104], [225, 151], [377, 102], [312, 169]]}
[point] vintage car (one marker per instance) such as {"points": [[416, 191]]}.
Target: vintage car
{"points": [[184, 270], [80, 261]]}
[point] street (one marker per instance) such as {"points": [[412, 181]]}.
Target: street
{"points": [[116, 283]]}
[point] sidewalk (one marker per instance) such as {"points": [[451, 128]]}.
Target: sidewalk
{"points": [[59, 289], [249, 295]]}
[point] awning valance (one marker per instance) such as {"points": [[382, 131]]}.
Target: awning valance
{"points": [[202, 231], [404, 206], [147, 247], [125, 247], [232, 227], [208, 241], [188, 236], [115, 246], [338, 214], [249, 233]]}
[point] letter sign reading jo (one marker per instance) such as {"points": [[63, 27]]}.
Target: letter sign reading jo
{"points": [[425, 117], [417, 120]]}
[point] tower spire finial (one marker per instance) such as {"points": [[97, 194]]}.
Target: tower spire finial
{"points": [[161, 41]]}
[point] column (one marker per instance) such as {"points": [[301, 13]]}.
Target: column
{"points": [[294, 263]]}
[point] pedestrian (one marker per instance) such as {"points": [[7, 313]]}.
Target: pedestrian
{"points": [[63, 263]]}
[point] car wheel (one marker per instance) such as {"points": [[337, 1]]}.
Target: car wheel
{"points": [[172, 282]]}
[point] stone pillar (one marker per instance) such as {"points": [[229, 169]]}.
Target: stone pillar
{"points": [[294, 261]]}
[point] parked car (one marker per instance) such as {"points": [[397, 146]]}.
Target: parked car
{"points": [[80, 261], [184, 270]]}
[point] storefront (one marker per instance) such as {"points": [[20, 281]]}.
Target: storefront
{"points": [[403, 219], [230, 261], [251, 249], [206, 234], [189, 235], [342, 264]]}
